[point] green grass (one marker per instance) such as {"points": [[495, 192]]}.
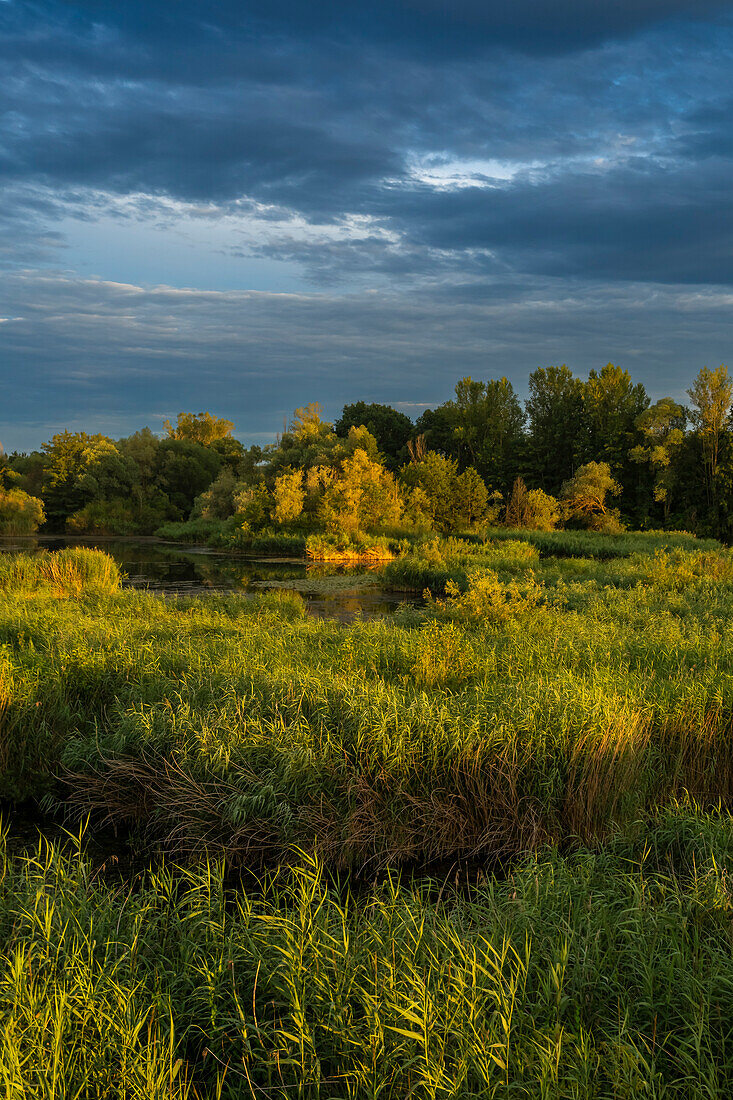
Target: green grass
{"points": [[433, 563], [596, 975], [582, 544], [554, 731], [68, 572], [229, 535], [493, 721]]}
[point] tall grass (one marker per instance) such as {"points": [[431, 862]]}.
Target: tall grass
{"points": [[515, 713], [592, 544], [70, 572], [352, 548], [230, 535], [595, 975], [553, 736], [435, 563]]}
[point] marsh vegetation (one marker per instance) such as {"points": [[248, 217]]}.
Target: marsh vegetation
{"points": [[479, 847]]}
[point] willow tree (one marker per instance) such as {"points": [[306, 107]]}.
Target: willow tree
{"points": [[711, 394], [584, 497], [662, 428]]}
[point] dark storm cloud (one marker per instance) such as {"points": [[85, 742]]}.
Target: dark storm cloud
{"points": [[648, 220], [484, 187], [190, 29], [313, 106]]}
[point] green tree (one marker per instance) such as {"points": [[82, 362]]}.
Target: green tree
{"points": [[390, 428], [289, 494], [555, 412], [543, 511], [471, 499], [435, 427], [184, 471], [68, 457], [711, 394], [488, 429], [217, 502], [584, 497], [435, 476], [362, 498], [20, 514], [533, 510], [612, 406], [439, 492], [662, 428], [309, 441], [27, 472], [254, 506]]}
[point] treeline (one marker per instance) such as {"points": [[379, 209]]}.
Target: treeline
{"points": [[590, 453]]}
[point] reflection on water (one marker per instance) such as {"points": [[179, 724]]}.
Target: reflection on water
{"points": [[175, 568]]}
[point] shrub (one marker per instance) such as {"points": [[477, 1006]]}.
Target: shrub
{"points": [[532, 510], [20, 514]]}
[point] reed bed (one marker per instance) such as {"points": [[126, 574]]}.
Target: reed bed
{"points": [[489, 723], [595, 975], [547, 743], [351, 549], [592, 544], [74, 571]]}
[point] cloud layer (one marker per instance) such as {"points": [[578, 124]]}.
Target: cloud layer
{"points": [[440, 190]]}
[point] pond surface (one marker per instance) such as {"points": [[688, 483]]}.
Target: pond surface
{"points": [[333, 592]]}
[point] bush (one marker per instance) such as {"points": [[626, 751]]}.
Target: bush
{"points": [[20, 514], [532, 510]]}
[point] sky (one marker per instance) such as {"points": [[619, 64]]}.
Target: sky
{"points": [[245, 206]]}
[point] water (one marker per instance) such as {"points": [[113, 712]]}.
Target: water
{"points": [[180, 569]]}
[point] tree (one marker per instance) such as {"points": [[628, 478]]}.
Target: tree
{"points": [[517, 509], [584, 497], [69, 456], [309, 441], [711, 401], [200, 428], [358, 439], [436, 428], [289, 495], [217, 502], [20, 514], [364, 497], [434, 476], [184, 471], [488, 429], [555, 411], [612, 404], [254, 505], [231, 452], [543, 512], [452, 501], [390, 428], [662, 428], [27, 472], [471, 499]]}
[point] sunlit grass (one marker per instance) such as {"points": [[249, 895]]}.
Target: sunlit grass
{"points": [[511, 714], [598, 974], [554, 730]]}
